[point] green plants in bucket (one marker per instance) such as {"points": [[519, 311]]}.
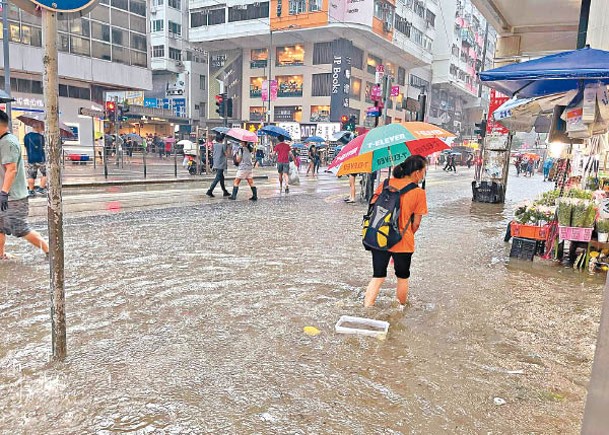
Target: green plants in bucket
{"points": [[602, 228]]}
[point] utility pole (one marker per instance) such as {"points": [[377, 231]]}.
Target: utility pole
{"points": [[117, 128], [270, 77], [7, 62], [54, 202]]}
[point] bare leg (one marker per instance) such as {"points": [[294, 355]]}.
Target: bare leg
{"points": [[43, 182], [2, 241], [351, 187], [373, 291], [30, 184], [36, 239], [402, 290]]}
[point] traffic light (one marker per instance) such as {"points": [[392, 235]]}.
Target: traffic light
{"points": [[111, 111], [344, 120], [480, 129], [229, 107], [351, 123], [220, 98]]}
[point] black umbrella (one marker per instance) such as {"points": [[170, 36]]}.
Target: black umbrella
{"points": [[4, 97]]}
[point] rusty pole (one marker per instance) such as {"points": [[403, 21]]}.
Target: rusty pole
{"points": [[54, 203]]}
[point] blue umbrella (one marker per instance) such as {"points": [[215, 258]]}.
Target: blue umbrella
{"points": [[552, 74], [299, 146], [315, 139], [273, 130], [221, 130]]}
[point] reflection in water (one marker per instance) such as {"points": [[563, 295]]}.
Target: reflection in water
{"points": [[190, 320]]}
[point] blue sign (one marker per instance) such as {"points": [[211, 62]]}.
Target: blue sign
{"points": [[151, 102], [80, 7], [166, 103], [179, 107]]}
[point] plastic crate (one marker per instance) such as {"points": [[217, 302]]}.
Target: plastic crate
{"points": [[534, 232], [74, 157], [575, 234], [84, 157], [523, 249]]}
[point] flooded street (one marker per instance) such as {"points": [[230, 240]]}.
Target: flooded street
{"points": [[189, 320]]}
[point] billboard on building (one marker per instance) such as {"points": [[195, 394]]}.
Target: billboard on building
{"points": [[341, 78], [351, 11], [226, 67]]}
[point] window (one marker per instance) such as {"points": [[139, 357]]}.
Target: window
{"points": [[137, 7], [100, 31], [31, 35], [372, 63], [322, 85], [80, 26], [297, 6], [157, 2], [63, 42], [80, 46], [158, 51], [157, 25], [120, 55], [455, 50], [202, 82], [257, 113], [207, 17], [120, 18], [101, 51], [101, 13], [256, 86], [290, 55], [368, 92], [175, 54], [322, 53], [14, 34], [139, 59], [401, 76], [174, 28], [419, 8], [320, 113], [259, 58], [430, 18], [355, 91], [138, 24], [314, 5], [138, 42], [120, 37], [417, 36], [357, 59], [176, 4], [37, 87], [121, 4], [63, 90], [402, 25], [252, 11], [289, 86]]}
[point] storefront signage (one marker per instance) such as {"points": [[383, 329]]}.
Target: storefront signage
{"points": [[179, 107], [327, 129], [341, 79], [293, 128], [28, 103], [284, 113], [395, 91], [151, 102]]}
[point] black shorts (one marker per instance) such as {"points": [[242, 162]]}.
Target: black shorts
{"points": [[401, 263]]}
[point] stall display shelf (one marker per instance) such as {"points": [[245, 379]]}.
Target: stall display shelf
{"points": [[575, 234], [533, 232]]}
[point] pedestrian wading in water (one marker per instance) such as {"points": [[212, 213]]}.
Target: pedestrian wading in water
{"points": [[412, 207], [246, 170]]}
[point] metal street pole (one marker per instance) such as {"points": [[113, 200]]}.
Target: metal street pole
{"points": [[117, 128], [268, 92], [7, 62], [93, 135], [55, 211]]}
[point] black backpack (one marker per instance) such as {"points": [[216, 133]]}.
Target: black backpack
{"points": [[381, 229]]}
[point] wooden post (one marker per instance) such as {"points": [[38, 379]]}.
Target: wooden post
{"points": [[55, 211]]}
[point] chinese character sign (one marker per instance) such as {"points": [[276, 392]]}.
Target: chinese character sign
{"points": [[492, 126], [273, 89], [341, 79]]}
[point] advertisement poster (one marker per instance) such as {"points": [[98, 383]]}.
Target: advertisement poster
{"points": [[352, 11], [492, 126], [265, 90], [341, 79], [179, 107], [225, 67]]}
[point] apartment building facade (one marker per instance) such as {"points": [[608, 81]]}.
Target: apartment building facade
{"points": [[322, 54], [104, 51], [466, 47]]}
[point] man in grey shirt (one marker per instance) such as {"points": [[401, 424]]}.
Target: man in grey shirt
{"points": [[220, 154], [14, 206]]}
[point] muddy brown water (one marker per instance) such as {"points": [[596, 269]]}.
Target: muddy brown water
{"points": [[189, 320]]}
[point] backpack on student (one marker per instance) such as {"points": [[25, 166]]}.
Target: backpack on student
{"points": [[381, 229]]}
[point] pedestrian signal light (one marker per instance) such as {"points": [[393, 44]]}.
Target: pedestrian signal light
{"points": [[220, 107], [111, 110], [229, 107]]}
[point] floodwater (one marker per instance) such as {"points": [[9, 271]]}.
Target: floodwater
{"points": [[189, 320]]}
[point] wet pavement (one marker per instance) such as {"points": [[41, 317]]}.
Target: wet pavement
{"points": [[189, 320]]}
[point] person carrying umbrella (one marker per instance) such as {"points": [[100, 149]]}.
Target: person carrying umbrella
{"points": [[14, 205], [220, 154], [282, 150], [34, 146], [413, 206], [245, 171]]}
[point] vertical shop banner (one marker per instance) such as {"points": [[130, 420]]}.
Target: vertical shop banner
{"points": [[272, 84], [341, 79], [492, 126]]}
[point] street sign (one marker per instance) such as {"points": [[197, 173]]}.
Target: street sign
{"points": [[91, 113], [77, 7], [395, 91], [380, 73], [375, 93], [380, 68]]}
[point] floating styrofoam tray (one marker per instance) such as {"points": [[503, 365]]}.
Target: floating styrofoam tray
{"points": [[362, 326]]}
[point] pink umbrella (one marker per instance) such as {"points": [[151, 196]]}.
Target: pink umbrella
{"points": [[169, 140], [242, 135]]}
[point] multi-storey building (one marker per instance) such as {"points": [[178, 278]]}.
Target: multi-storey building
{"points": [[179, 70], [323, 55], [103, 51], [465, 47]]}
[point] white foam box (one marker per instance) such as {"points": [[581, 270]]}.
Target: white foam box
{"points": [[362, 326]]}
